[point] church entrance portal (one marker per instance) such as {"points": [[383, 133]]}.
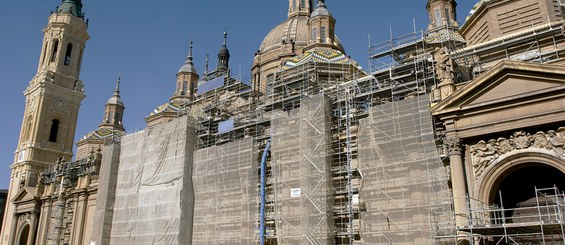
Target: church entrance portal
{"points": [[518, 185]]}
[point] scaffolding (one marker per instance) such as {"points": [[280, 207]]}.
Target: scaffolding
{"points": [[536, 221], [404, 179], [541, 44], [226, 194], [301, 174], [154, 192]]}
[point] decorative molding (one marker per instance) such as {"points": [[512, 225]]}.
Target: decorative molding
{"points": [[484, 153], [24, 218]]}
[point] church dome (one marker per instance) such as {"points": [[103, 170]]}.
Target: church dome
{"points": [[292, 29]]}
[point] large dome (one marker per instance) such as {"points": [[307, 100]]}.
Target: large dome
{"points": [[292, 29]]}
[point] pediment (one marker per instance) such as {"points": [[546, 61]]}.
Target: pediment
{"points": [[508, 81], [25, 194]]}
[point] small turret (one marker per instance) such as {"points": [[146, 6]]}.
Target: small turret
{"points": [[114, 112], [322, 28], [223, 57], [187, 78]]}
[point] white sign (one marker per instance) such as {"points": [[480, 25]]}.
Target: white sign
{"points": [[355, 199], [295, 192]]}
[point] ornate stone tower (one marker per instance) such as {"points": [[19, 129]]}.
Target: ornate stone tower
{"points": [[442, 14], [53, 99], [187, 79]]}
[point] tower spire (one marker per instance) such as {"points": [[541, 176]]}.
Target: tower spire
{"points": [[188, 64], [187, 79], [114, 109]]}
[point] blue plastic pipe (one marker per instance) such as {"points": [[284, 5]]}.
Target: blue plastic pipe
{"points": [[263, 190]]}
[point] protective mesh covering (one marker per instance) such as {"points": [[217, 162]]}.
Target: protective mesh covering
{"points": [[405, 184], [226, 190], [105, 197], [301, 174], [154, 195]]}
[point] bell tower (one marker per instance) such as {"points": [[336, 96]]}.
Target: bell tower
{"points": [[53, 99]]}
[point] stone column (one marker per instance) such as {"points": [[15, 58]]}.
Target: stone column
{"points": [[14, 226], [457, 180], [32, 229]]}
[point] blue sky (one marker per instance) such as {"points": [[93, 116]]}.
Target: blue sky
{"points": [[146, 42]]}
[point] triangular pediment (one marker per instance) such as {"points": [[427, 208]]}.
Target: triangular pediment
{"points": [[507, 81], [26, 193]]}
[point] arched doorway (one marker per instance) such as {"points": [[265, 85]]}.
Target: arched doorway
{"points": [[518, 185], [24, 235], [524, 194]]}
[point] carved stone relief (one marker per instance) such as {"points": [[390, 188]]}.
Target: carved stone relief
{"points": [[484, 153]]}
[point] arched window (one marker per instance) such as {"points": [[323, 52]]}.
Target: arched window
{"points": [[293, 4], [438, 17], [55, 49], [302, 4], [323, 34], [314, 34], [68, 54], [24, 234], [54, 131]]}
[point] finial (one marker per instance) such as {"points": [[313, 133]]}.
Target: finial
{"points": [[207, 61], [190, 51], [117, 90], [225, 36]]}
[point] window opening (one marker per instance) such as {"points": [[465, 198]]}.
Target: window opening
{"points": [[68, 54], [54, 131], [314, 34], [55, 49], [438, 17]]}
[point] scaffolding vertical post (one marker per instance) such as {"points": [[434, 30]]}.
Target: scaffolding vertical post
{"points": [[348, 104], [539, 216]]}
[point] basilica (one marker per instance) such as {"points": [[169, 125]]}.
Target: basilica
{"points": [[453, 135]]}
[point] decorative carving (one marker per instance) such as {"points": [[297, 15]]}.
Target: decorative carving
{"points": [[59, 105], [24, 218], [444, 66], [485, 153], [453, 145], [32, 105]]}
